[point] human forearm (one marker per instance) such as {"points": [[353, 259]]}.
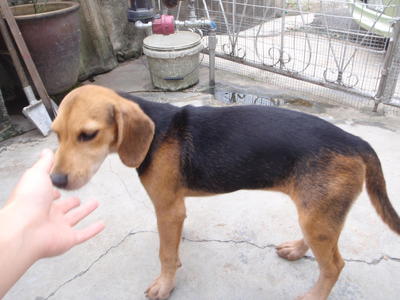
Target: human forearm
{"points": [[15, 255]]}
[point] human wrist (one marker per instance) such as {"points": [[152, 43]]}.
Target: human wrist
{"points": [[15, 234], [15, 254]]}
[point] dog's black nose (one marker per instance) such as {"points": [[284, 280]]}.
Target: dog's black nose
{"points": [[59, 180]]}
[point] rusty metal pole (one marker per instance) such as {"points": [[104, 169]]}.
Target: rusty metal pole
{"points": [[282, 38], [391, 69], [212, 45]]}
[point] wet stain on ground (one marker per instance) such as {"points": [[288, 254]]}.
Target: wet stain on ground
{"points": [[229, 96], [381, 125]]}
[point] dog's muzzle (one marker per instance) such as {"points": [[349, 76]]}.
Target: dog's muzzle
{"points": [[59, 180]]}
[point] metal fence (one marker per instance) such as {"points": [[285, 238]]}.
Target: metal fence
{"points": [[348, 46]]}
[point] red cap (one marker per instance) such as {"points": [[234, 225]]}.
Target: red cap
{"points": [[164, 25]]}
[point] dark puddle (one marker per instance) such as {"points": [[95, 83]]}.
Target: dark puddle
{"points": [[275, 98]]}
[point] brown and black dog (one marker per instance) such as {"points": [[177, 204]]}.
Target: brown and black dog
{"points": [[194, 151]]}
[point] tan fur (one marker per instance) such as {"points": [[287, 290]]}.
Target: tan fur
{"points": [[135, 133], [162, 182], [323, 195], [122, 125], [323, 202]]}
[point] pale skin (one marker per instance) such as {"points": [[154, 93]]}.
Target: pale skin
{"points": [[33, 225]]}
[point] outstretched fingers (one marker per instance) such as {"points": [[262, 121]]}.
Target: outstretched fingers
{"points": [[82, 235], [76, 215], [66, 205]]}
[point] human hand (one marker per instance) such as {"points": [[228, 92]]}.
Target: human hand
{"points": [[47, 225]]}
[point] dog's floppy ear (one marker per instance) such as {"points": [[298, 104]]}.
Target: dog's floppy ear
{"points": [[135, 133]]}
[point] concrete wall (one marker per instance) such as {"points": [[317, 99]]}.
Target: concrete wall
{"points": [[107, 36]]}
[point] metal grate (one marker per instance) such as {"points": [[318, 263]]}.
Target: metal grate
{"points": [[341, 45]]}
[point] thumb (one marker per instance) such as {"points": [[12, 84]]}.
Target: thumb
{"points": [[45, 161]]}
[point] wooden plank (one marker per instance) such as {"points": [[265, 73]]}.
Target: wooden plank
{"points": [[26, 56]]}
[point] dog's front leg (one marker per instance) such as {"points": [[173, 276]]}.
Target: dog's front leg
{"points": [[170, 216]]}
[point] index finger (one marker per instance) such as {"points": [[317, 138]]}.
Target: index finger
{"points": [[45, 161]]}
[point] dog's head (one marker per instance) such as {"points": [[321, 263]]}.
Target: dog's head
{"points": [[92, 122]]}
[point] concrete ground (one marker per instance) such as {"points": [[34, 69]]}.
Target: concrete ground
{"points": [[228, 241]]}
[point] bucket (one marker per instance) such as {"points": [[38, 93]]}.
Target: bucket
{"points": [[173, 59]]}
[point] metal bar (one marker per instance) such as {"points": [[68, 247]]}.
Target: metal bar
{"points": [[296, 76], [234, 16], [241, 22], [179, 10], [212, 44], [206, 9], [391, 68], [307, 38], [192, 10], [221, 5], [281, 62]]}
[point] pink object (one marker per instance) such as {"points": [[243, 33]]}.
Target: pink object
{"points": [[164, 25]]}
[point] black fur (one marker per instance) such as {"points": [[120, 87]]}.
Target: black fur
{"points": [[224, 149]]}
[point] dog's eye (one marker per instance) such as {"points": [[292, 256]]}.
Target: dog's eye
{"points": [[85, 136]]}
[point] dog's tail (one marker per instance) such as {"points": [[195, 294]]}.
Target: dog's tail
{"points": [[376, 187]]}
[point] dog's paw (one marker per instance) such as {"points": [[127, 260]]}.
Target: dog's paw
{"points": [[160, 289], [309, 296], [292, 250]]}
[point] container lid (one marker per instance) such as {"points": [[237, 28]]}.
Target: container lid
{"points": [[177, 41]]}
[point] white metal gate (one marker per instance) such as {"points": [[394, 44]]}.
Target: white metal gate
{"points": [[346, 45]]}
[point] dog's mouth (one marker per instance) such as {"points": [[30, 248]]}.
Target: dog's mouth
{"points": [[70, 181], [65, 182], [76, 185]]}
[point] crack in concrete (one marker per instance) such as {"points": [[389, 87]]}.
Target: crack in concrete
{"points": [[374, 261], [81, 273], [236, 242], [308, 257], [230, 241]]}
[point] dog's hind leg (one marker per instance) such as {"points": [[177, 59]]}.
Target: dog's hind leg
{"points": [[322, 237], [323, 202]]}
